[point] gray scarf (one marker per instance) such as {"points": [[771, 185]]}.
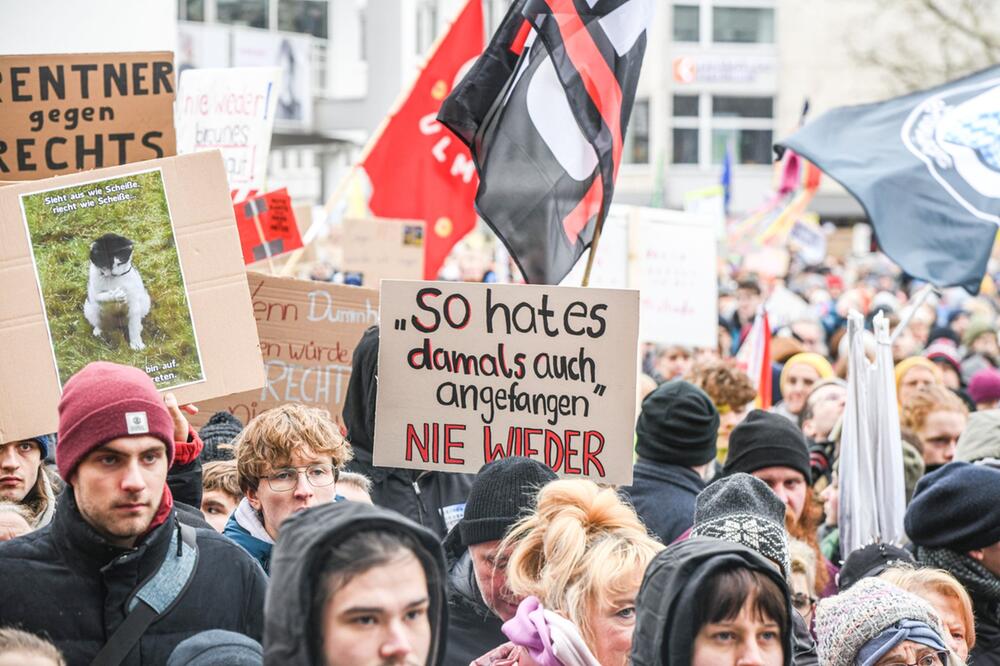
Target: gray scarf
{"points": [[981, 583]]}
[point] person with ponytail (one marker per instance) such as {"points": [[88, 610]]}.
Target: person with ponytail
{"points": [[577, 562]]}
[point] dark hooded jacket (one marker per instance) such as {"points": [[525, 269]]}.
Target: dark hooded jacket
{"points": [[435, 500], [68, 583], [473, 629], [298, 558], [664, 497], [664, 630]]}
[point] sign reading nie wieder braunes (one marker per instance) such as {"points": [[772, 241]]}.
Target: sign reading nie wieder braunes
{"points": [[472, 372]]}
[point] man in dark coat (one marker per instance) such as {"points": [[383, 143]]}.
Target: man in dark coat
{"points": [[116, 531], [479, 601], [675, 444], [954, 520], [355, 585], [435, 500]]}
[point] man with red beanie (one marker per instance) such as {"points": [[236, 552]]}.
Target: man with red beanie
{"points": [[118, 577]]}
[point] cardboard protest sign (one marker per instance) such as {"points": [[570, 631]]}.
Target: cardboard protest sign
{"points": [[677, 280], [378, 248], [85, 258], [471, 372], [232, 110], [66, 113], [267, 226], [308, 331]]}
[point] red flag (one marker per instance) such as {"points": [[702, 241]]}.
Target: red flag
{"points": [[417, 169]]}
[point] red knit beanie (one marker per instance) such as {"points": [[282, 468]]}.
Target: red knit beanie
{"points": [[105, 401]]}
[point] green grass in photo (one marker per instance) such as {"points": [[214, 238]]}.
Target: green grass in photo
{"points": [[61, 246]]}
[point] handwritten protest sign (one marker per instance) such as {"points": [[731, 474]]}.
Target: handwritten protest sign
{"points": [[378, 248], [308, 331], [172, 221], [677, 279], [473, 372], [273, 232], [66, 113], [232, 110]]}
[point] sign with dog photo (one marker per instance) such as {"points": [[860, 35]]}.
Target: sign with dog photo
{"points": [[136, 264], [122, 225]]}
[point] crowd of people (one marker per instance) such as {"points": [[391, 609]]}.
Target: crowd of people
{"points": [[128, 537]]}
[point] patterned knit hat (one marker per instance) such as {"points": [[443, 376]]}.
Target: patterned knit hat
{"points": [[742, 509], [222, 428], [847, 621]]}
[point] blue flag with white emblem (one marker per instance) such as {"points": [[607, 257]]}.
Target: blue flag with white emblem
{"points": [[926, 169]]}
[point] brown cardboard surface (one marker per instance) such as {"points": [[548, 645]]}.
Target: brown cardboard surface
{"points": [[580, 424], [65, 113], [209, 251], [383, 249], [308, 331]]}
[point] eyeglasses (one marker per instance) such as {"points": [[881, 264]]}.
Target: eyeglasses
{"points": [[802, 601], [287, 478], [926, 659]]}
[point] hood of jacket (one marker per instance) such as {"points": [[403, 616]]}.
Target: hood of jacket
{"points": [[359, 402], [41, 500], [246, 529], [664, 630], [295, 571]]}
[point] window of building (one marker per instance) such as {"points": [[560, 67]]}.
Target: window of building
{"points": [[685, 145], [191, 10], [743, 25], [749, 146], [251, 13], [686, 22], [685, 106], [305, 16], [427, 19], [742, 107], [637, 137]]}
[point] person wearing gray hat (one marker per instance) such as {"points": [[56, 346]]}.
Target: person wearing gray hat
{"points": [[675, 445], [217, 648]]}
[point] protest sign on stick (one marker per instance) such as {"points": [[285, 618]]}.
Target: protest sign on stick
{"points": [[308, 331], [69, 298], [267, 227], [232, 110], [677, 278], [65, 113], [378, 248], [473, 372]]}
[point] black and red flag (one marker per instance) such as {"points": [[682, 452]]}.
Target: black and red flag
{"points": [[544, 111]]}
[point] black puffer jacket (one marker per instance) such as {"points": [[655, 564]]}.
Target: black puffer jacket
{"points": [[289, 638], [67, 583], [664, 630], [473, 629], [435, 500]]}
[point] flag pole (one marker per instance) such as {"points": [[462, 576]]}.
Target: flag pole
{"points": [[593, 249], [369, 146], [922, 296]]}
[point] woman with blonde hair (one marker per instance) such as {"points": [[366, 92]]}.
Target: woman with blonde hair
{"points": [[798, 376], [948, 599], [578, 562]]}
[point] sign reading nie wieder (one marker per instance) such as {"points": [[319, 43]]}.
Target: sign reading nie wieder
{"points": [[473, 372]]}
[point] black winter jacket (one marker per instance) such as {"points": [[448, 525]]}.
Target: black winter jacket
{"points": [[65, 582], [435, 500], [473, 629], [289, 635], [663, 496], [664, 628]]}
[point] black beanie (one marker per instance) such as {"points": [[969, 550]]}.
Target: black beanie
{"points": [[767, 440], [956, 507], [503, 492], [678, 425]]}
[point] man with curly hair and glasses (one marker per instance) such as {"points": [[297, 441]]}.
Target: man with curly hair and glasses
{"points": [[288, 459]]}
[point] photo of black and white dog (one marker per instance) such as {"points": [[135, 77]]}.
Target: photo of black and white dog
{"points": [[115, 288]]}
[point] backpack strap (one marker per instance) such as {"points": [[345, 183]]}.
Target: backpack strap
{"points": [[155, 597]]}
